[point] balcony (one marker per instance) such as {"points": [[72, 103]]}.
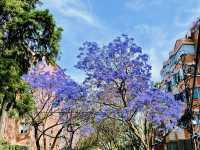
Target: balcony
{"points": [[184, 50]]}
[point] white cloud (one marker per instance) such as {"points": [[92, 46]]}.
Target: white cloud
{"points": [[75, 9], [70, 12], [152, 34], [135, 5], [188, 15], [140, 4], [156, 63], [155, 43]]}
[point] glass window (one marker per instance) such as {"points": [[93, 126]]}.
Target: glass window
{"points": [[185, 49], [197, 118], [180, 97], [197, 93], [172, 146], [169, 88], [176, 78], [188, 49], [179, 145], [189, 69], [181, 74], [23, 128]]}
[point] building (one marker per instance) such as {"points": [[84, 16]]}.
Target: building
{"points": [[16, 132], [181, 76]]}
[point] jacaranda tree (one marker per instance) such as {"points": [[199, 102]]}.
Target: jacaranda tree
{"points": [[57, 97], [119, 75]]}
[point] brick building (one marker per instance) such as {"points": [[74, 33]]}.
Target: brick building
{"points": [[179, 73]]}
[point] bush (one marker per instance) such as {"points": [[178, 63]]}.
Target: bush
{"points": [[5, 146]]}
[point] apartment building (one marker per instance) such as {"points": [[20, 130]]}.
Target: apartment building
{"points": [[181, 76]]}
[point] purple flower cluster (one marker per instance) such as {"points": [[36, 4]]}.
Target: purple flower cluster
{"points": [[118, 85], [120, 60], [158, 107], [52, 80], [121, 79]]}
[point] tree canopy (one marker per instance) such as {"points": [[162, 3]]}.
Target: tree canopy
{"points": [[27, 34], [56, 96], [119, 76]]}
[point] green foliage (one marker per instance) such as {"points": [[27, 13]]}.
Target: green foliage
{"points": [[13, 147], [89, 143], [12, 87], [32, 36], [109, 134], [24, 102], [10, 79], [27, 34], [6, 146], [157, 84]]}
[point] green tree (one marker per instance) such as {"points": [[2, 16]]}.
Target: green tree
{"points": [[109, 134], [157, 84], [27, 34]]}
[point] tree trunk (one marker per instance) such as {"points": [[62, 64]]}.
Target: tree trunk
{"points": [[56, 137], [146, 147], [44, 142], [2, 117], [71, 140], [44, 138], [37, 141]]}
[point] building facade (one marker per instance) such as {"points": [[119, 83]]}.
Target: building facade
{"points": [[181, 76]]}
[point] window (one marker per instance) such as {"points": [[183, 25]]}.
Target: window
{"points": [[180, 97], [176, 97], [179, 145], [188, 49], [23, 128], [185, 49], [173, 60], [168, 86], [181, 74], [197, 118], [50, 145], [176, 78], [197, 93], [189, 69]]}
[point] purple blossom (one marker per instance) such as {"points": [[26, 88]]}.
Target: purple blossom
{"points": [[158, 107], [119, 75], [120, 60], [51, 80], [86, 130]]}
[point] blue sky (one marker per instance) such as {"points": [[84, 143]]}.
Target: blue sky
{"points": [[155, 25]]}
